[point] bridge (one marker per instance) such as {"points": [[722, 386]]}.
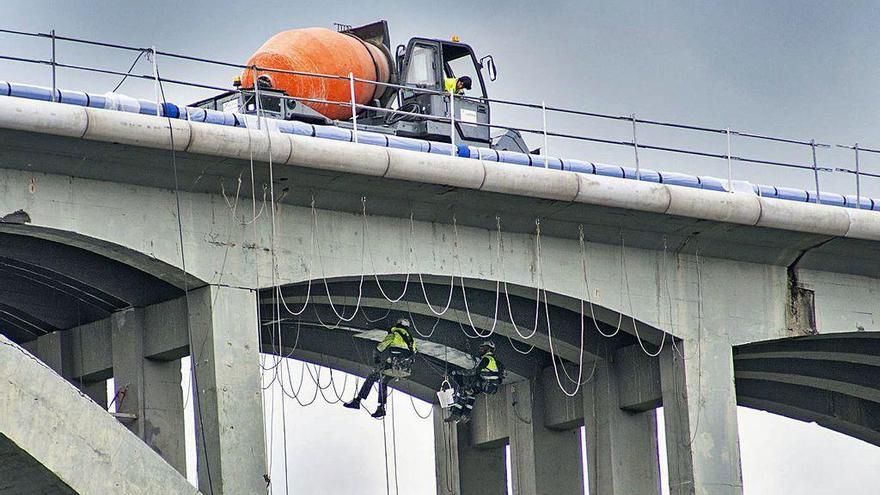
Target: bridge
{"points": [[132, 241]]}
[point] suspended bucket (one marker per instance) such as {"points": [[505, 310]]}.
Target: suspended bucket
{"points": [[446, 395]]}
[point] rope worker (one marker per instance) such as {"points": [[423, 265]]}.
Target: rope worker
{"points": [[485, 377], [393, 357], [457, 85]]}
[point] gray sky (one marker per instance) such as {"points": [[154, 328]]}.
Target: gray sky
{"points": [[803, 69]]}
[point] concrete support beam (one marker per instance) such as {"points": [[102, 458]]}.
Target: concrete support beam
{"points": [[97, 391], [542, 460], [168, 337], [489, 426], [638, 384], [152, 389], [91, 350], [699, 402], [53, 349], [463, 469], [229, 415], [61, 351], [621, 445], [561, 411]]}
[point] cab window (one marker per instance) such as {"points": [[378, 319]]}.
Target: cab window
{"points": [[460, 62], [421, 71]]}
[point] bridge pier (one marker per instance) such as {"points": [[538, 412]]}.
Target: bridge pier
{"points": [[151, 388], [621, 444], [542, 460], [462, 468], [699, 402], [225, 355], [55, 350]]}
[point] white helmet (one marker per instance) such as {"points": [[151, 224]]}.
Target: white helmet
{"points": [[402, 322], [489, 344]]}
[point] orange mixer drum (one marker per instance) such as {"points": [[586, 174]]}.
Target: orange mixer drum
{"points": [[321, 51]]}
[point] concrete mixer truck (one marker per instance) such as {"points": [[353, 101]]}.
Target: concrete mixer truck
{"points": [[413, 105]]}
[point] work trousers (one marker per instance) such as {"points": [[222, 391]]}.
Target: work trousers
{"points": [[378, 376], [465, 395]]}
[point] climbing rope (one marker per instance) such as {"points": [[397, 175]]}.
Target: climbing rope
{"points": [[342, 317]]}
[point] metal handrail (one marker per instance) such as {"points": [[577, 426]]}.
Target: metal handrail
{"points": [[544, 131]]}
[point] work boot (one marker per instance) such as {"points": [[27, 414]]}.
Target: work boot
{"points": [[353, 403], [380, 412]]}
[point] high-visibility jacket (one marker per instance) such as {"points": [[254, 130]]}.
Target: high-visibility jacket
{"points": [[488, 367], [397, 337], [451, 84]]}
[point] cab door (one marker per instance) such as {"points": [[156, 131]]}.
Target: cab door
{"points": [[421, 68]]}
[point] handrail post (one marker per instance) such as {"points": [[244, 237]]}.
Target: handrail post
{"points": [[354, 117], [54, 86], [544, 117], [257, 97], [729, 166], [156, 82], [452, 121], [858, 179], [816, 172], [636, 148]]}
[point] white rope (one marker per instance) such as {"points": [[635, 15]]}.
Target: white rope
{"points": [[553, 356], [464, 291], [415, 409], [507, 293], [313, 228], [632, 314], [381, 318], [589, 292], [342, 317], [373, 263], [416, 328]]}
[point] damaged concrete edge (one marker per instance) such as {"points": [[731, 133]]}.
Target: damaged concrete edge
{"points": [[19, 217]]}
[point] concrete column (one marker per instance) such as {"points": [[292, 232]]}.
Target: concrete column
{"points": [[53, 349], [699, 403], [542, 460], [97, 391], [229, 415], [152, 389], [463, 469], [621, 445]]}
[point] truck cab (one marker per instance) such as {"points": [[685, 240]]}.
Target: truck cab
{"points": [[424, 64]]}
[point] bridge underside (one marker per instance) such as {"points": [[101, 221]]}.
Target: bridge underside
{"points": [[54, 307], [123, 314], [830, 380]]}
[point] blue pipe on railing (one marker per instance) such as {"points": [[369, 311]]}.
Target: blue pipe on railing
{"points": [[171, 110]]}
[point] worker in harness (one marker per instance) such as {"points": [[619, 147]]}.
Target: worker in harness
{"points": [[485, 377], [457, 85], [393, 358]]}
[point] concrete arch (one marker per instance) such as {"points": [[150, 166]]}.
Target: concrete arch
{"points": [[421, 300], [59, 280], [827, 379]]}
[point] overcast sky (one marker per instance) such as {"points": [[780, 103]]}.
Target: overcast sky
{"points": [[804, 70]]}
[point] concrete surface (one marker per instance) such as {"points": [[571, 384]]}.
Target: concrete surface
{"points": [[752, 291], [71, 437]]}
